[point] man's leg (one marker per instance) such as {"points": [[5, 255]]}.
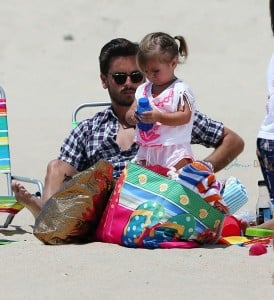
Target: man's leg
{"points": [[57, 172], [265, 154]]}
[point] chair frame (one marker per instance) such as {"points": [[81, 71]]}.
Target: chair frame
{"points": [[10, 177], [75, 112]]}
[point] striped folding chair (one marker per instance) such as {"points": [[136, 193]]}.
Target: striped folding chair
{"points": [[8, 203]]}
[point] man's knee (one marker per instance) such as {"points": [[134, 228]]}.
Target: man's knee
{"points": [[53, 165], [60, 168]]}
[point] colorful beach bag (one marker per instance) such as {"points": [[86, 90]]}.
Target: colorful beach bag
{"points": [[148, 210]]}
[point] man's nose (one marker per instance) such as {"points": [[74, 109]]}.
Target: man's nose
{"points": [[128, 81]]}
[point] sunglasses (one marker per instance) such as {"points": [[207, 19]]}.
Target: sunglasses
{"points": [[121, 77]]}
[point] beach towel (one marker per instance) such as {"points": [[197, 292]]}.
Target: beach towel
{"points": [[199, 177], [148, 210], [234, 194], [228, 195]]}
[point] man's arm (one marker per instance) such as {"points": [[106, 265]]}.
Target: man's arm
{"points": [[213, 134], [228, 148]]}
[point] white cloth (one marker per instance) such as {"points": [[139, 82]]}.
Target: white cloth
{"points": [[154, 143], [267, 127], [165, 156]]}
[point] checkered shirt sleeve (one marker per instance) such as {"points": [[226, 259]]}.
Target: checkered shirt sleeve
{"points": [[206, 132]]}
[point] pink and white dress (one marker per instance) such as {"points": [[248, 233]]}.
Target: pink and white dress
{"points": [[166, 145]]}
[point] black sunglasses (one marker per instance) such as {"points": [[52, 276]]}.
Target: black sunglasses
{"points": [[121, 77]]}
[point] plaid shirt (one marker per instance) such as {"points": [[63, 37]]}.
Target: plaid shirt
{"points": [[95, 138], [205, 131]]}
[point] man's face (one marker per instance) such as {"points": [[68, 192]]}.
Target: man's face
{"points": [[121, 87]]}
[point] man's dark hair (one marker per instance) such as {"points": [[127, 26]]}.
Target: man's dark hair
{"points": [[114, 48]]}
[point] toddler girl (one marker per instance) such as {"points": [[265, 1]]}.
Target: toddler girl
{"points": [[167, 143]]}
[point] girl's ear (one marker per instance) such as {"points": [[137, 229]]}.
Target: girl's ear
{"points": [[174, 62], [104, 81]]}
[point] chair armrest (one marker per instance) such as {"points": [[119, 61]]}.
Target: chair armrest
{"points": [[30, 180]]}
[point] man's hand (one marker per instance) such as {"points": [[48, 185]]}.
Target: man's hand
{"points": [[229, 147]]}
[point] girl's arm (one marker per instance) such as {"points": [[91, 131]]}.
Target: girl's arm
{"points": [[180, 117]]}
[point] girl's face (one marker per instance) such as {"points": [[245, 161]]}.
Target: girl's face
{"points": [[158, 72]]}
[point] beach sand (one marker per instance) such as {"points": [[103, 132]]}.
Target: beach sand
{"points": [[49, 65]]}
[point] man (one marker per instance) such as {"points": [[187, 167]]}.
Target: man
{"points": [[108, 136]]}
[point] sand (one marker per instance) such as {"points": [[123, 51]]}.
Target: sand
{"points": [[49, 65]]}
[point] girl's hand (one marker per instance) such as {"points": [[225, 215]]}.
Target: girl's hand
{"points": [[149, 116]]}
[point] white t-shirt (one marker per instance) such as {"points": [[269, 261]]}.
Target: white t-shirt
{"points": [[167, 101], [267, 127]]}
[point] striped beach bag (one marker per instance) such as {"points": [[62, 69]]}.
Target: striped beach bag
{"points": [[148, 210]]}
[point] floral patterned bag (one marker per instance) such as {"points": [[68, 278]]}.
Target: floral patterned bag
{"points": [[148, 210]]}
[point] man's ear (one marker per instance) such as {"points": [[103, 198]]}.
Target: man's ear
{"points": [[104, 81]]}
